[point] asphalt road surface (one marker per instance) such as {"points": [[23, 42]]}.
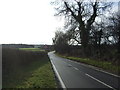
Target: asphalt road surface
{"points": [[77, 75]]}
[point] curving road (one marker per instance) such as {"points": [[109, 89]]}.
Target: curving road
{"points": [[77, 75]]}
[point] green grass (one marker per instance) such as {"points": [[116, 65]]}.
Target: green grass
{"points": [[27, 70], [38, 75], [105, 65], [31, 49]]}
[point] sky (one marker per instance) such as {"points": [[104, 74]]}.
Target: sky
{"points": [[28, 22]]}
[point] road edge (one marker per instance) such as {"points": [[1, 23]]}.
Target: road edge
{"points": [[93, 67], [57, 74]]}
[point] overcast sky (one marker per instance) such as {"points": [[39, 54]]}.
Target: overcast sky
{"points": [[27, 22]]}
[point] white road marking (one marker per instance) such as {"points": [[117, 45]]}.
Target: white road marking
{"points": [[95, 68], [100, 81], [69, 65], [75, 68], [58, 75]]}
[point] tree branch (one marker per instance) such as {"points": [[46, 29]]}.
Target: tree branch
{"points": [[92, 18], [68, 8]]}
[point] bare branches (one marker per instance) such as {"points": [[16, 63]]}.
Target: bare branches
{"points": [[80, 7], [83, 14], [92, 18], [69, 9]]}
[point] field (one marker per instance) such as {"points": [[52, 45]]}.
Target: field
{"points": [[27, 68], [31, 49]]}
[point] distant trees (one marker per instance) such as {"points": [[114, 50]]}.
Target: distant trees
{"points": [[61, 42], [118, 32], [115, 26], [58, 41]]}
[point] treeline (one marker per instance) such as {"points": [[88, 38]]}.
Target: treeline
{"points": [[91, 30], [17, 46]]}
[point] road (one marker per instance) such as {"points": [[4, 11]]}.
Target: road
{"points": [[77, 75]]}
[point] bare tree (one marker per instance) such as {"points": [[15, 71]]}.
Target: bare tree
{"points": [[61, 42], [82, 15], [115, 29]]}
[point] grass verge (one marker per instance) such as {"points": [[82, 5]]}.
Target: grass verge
{"points": [[39, 75], [29, 69], [105, 65]]}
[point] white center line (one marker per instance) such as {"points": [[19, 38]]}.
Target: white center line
{"points": [[95, 68], [75, 68], [100, 81], [69, 64]]}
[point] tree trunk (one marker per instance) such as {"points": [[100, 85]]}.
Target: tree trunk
{"points": [[84, 40]]}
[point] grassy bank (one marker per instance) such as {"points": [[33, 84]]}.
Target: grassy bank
{"points": [[40, 75], [105, 65], [27, 69]]}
